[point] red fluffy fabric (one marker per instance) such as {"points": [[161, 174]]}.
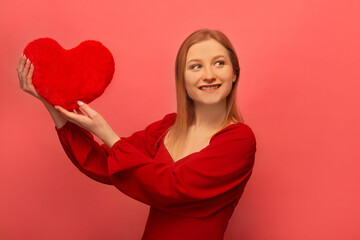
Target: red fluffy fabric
{"points": [[62, 77]]}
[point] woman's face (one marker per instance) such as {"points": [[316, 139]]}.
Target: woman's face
{"points": [[207, 64]]}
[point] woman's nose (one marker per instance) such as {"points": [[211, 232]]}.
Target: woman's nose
{"points": [[208, 73]]}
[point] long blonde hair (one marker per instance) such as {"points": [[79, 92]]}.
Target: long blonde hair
{"points": [[185, 105]]}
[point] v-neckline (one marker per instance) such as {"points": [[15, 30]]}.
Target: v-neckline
{"points": [[183, 158]]}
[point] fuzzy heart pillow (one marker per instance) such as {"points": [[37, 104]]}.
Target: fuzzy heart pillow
{"points": [[62, 77]]}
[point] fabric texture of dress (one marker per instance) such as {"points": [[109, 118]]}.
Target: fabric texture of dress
{"points": [[192, 198]]}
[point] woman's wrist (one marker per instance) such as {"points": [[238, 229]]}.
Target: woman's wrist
{"points": [[57, 118], [109, 137]]}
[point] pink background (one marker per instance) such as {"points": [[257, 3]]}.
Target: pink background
{"points": [[298, 91]]}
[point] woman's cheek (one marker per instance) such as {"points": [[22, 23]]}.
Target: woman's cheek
{"points": [[191, 75]]}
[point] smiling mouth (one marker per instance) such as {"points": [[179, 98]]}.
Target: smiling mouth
{"points": [[207, 88]]}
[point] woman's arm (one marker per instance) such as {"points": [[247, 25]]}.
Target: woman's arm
{"points": [[25, 72], [56, 116], [91, 158], [84, 152], [91, 121], [79, 145], [200, 185]]}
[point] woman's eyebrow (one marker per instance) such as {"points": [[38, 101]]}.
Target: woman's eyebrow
{"points": [[217, 56]]}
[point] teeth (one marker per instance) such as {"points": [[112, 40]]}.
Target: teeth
{"points": [[209, 88]]}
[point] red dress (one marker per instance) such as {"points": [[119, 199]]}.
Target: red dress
{"points": [[192, 198]]}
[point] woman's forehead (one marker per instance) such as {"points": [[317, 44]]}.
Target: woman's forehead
{"points": [[206, 49]]}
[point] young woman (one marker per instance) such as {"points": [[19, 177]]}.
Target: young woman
{"points": [[190, 167]]}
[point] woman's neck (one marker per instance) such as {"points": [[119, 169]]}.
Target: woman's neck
{"points": [[208, 117]]}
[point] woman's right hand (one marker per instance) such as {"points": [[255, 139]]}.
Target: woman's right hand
{"points": [[25, 72]]}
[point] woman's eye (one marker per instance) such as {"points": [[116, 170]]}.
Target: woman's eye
{"points": [[193, 66], [222, 62], [198, 65]]}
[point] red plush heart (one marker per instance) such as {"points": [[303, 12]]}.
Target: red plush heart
{"points": [[62, 77]]}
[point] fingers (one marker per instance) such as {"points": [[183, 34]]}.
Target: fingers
{"points": [[68, 115], [23, 71], [87, 109], [20, 69], [73, 116], [79, 111], [20, 60], [26, 74], [20, 65], [89, 123], [29, 81], [30, 74]]}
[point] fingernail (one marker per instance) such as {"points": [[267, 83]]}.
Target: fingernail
{"points": [[80, 103], [56, 107]]}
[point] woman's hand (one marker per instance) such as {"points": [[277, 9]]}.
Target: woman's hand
{"points": [[25, 72], [91, 121]]}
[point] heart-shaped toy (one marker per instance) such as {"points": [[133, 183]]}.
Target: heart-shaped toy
{"points": [[62, 77]]}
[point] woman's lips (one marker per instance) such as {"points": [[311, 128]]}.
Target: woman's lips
{"points": [[211, 90]]}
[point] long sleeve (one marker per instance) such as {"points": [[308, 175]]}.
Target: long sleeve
{"points": [[86, 154], [90, 157], [198, 185], [146, 140]]}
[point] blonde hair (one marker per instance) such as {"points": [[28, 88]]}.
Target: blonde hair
{"points": [[185, 105]]}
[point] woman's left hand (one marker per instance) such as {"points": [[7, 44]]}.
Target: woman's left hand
{"points": [[92, 122]]}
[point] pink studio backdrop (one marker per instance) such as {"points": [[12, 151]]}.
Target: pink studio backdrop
{"points": [[298, 91]]}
